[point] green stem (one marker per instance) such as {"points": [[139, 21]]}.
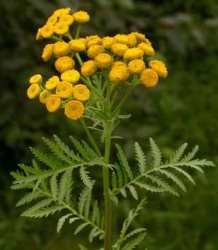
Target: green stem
{"points": [[88, 81], [90, 137], [78, 31], [124, 98], [106, 184]]}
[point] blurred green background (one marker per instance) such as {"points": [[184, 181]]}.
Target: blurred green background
{"points": [[183, 108]]}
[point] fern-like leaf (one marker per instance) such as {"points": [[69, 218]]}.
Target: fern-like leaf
{"points": [[159, 175]]}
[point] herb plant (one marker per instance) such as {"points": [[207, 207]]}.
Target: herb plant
{"points": [[93, 80]]}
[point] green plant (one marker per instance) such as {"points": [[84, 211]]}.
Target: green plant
{"points": [[59, 171]]}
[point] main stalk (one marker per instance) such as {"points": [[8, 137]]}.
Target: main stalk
{"points": [[106, 183]]}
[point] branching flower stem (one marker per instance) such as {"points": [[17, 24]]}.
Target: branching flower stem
{"points": [[125, 97], [106, 184], [90, 137], [106, 174]]}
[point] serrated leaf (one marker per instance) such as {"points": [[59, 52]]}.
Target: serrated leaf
{"points": [[61, 221], [124, 162], [179, 153], [140, 157], [84, 174], [156, 153], [133, 243], [81, 227]]}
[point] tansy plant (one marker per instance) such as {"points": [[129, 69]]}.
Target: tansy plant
{"points": [[90, 74]]}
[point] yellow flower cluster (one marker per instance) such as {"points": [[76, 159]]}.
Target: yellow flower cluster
{"points": [[124, 55], [120, 58], [59, 23], [57, 93]]}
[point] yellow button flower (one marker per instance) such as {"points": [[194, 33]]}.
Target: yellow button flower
{"points": [[120, 38], [89, 68], [136, 66], [71, 76], [103, 60], [35, 79], [94, 50], [47, 52], [119, 74], [52, 82], [89, 38], [81, 16], [33, 91], [53, 102], [81, 92], [159, 67], [43, 96], [66, 19], [133, 53], [139, 36], [119, 63], [52, 20], [74, 110], [147, 48], [78, 45], [107, 42], [132, 40], [62, 11], [47, 31], [64, 89], [61, 48], [94, 41], [64, 63], [119, 49], [61, 28], [149, 78]]}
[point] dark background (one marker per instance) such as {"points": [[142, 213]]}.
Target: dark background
{"points": [[182, 108]]}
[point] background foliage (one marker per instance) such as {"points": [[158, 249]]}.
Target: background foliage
{"points": [[182, 108]]}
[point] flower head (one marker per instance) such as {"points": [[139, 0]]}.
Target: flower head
{"points": [[159, 67], [74, 110], [89, 68], [52, 20], [66, 19], [103, 60], [64, 89], [52, 82], [47, 52], [61, 48], [64, 63], [81, 92], [107, 42], [47, 31], [43, 96], [94, 50], [149, 78], [62, 11], [120, 38], [61, 28], [136, 66], [119, 48], [53, 102], [35, 79], [133, 53], [81, 16], [93, 41], [78, 45], [119, 73], [71, 76], [147, 48], [132, 40], [33, 91]]}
